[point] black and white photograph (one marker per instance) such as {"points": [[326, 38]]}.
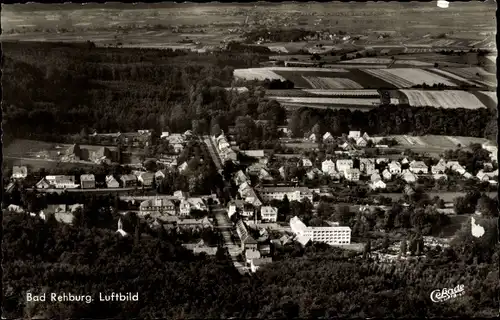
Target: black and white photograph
{"points": [[288, 160]]}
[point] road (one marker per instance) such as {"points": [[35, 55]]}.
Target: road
{"points": [[213, 152], [225, 227]]}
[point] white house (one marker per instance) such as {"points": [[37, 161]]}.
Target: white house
{"points": [[354, 135], [439, 168], [264, 175], [305, 162], [292, 193], [312, 137], [467, 175], [386, 175], [409, 176], [184, 208], [62, 182], [19, 172], [269, 214], [328, 167], [405, 161], [375, 176], [327, 137], [394, 167], [352, 174], [313, 173], [344, 164], [418, 167], [361, 142], [378, 184], [459, 169], [483, 176]]}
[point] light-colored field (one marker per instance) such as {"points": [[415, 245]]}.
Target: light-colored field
{"points": [[431, 143], [411, 75], [370, 60], [415, 63], [336, 101], [470, 73], [257, 74], [358, 92], [448, 99], [389, 78], [332, 83], [452, 76], [306, 69]]}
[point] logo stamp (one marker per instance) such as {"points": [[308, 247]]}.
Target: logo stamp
{"points": [[442, 295]]}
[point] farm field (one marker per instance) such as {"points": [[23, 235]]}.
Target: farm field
{"points": [[475, 73], [490, 94], [433, 141], [448, 99], [256, 74], [335, 101], [332, 83], [370, 60], [451, 76], [408, 77], [340, 93], [37, 164]]}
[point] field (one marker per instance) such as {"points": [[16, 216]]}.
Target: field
{"points": [[491, 95], [257, 74], [452, 76], [327, 101], [408, 77], [432, 143], [447, 99], [413, 63], [341, 93], [370, 60], [332, 83], [475, 73]]}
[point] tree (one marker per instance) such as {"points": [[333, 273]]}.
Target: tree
{"points": [[216, 130], [386, 243], [367, 249], [403, 247]]}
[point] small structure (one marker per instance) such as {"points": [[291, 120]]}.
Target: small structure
{"points": [[386, 175], [418, 167], [306, 163], [128, 180], [328, 167], [269, 214], [344, 164], [352, 174], [378, 184], [146, 179], [361, 142], [159, 175], [87, 181], [111, 182], [354, 135], [255, 264], [367, 165], [19, 172], [409, 176], [43, 184], [394, 167], [328, 138]]}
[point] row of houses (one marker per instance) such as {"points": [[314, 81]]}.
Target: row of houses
{"points": [[165, 206], [178, 141], [226, 153], [256, 252], [140, 139], [88, 181], [361, 140]]}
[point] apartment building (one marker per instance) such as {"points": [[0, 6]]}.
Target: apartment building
{"points": [[292, 193], [329, 235]]}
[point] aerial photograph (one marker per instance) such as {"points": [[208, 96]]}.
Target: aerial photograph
{"points": [[250, 160]]}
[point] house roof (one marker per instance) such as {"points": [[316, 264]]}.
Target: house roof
{"points": [[253, 153], [146, 175], [20, 170], [304, 190], [252, 254], [87, 177], [128, 177], [261, 261], [110, 178]]}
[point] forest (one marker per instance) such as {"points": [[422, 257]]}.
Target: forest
{"points": [[315, 281]]}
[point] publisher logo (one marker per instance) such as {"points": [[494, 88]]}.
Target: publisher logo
{"points": [[441, 295]]}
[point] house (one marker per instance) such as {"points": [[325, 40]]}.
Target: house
{"points": [[344, 164], [128, 180], [181, 195], [197, 203], [255, 264], [409, 177], [111, 182], [330, 235], [312, 138], [352, 174], [183, 167], [240, 178], [19, 172], [43, 184], [269, 214], [482, 176], [87, 181], [327, 138], [367, 165], [248, 211], [394, 167], [305, 163], [259, 154], [184, 208], [247, 241], [439, 168], [404, 161], [386, 175], [101, 155], [264, 249], [467, 175], [381, 160], [438, 176], [159, 175], [15, 208], [328, 167], [282, 172], [409, 190], [458, 169], [366, 137], [378, 184], [178, 148], [361, 142], [292, 193], [313, 173], [418, 167], [264, 175], [251, 254], [157, 205], [146, 179], [62, 182], [199, 224], [354, 135], [62, 212], [346, 146], [375, 176]]}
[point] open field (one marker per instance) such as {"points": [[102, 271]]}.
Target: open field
{"points": [[490, 94], [369, 60], [257, 74], [412, 63], [433, 142], [451, 76], [37, 164], [341, 93], [326, 101], [475, 73], [332, 83], [446, 196], [407, 77], [448, 99]]}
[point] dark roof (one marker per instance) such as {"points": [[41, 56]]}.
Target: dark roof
{"points": [[74, 149]]}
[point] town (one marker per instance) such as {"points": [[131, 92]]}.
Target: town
{"points": [[321, 159]]}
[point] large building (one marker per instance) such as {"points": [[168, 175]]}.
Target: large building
{"points": [[292, 193], [328, 235]]}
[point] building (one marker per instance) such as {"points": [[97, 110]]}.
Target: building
{"points": [[312, 138], [259, 154], [375, 176], [292, 193], [19, 172], [157, 205], [367, 165], [378, 184], [361, 142], [438, 176], [73, 153], [386, 175], [344, 164], [62, 182], [247, 241], [306, 163], [330, 235], [240, 178], [111, 182], [62, 212], [327, 138], [101, 155], [43, 184], [354, 135], [146, 179], [184, 208], [404, 161], [87, 181], [439, 168], [409, 177], [159, 175], [394, 167], [269, 214], [418, 167], [366, 136], [128, 180], [328, 167], [313, 173], [264, 175], [352, 174]]}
